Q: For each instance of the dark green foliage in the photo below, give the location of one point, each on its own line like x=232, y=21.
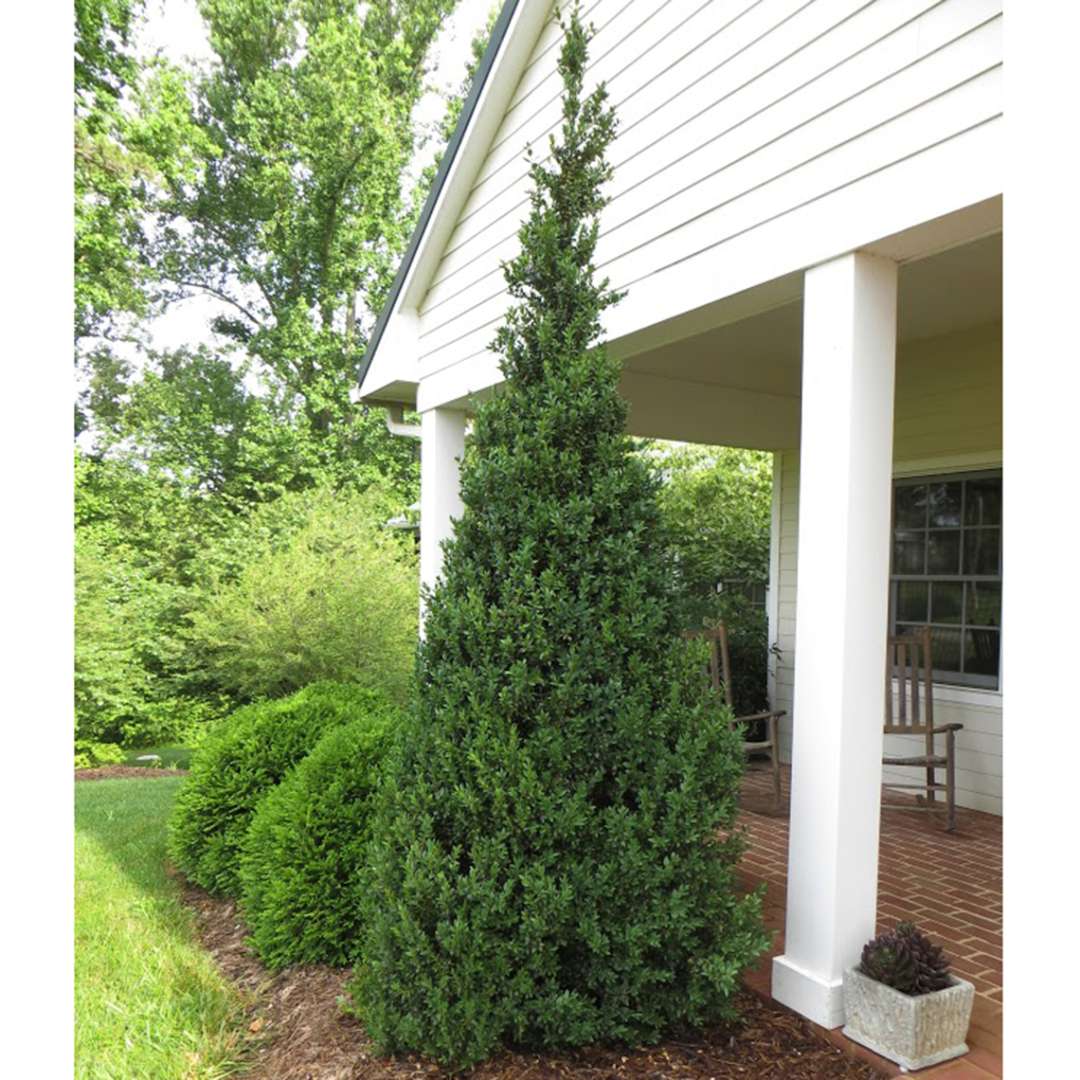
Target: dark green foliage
x=306, y=849
x=906, y=960
x=247, y=754
x=553, y=861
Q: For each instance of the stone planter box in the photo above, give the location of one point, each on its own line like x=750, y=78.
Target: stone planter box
x=915, y=1032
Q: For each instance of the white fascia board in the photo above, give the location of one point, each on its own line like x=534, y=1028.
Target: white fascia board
x=394, y=359
x=528, y=20
x=394, y=372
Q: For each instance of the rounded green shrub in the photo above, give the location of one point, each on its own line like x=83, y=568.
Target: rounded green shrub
x=305, y=852
x=245, y=755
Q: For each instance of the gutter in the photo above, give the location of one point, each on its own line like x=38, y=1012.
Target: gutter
x=498, y=32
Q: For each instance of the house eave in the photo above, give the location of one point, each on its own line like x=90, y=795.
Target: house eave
x=505, y=28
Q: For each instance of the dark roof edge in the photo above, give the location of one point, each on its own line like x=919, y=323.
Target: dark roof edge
x=498, y=32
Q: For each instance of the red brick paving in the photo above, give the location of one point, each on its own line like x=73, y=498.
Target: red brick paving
x=948, y=883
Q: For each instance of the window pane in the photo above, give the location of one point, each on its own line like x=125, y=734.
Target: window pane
x=911, y=601
x=947, y=533
x=944, y=504
x=948, y=602
x=909, y=553
x=943, y=552
x=982, y=502
x=945, y=649
x=981, y=649
x=911, y=507
x=981, y=547
x=984, y=603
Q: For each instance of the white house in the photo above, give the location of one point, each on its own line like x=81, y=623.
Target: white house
x=806, y=215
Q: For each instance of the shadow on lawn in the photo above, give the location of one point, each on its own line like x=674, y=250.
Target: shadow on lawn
x=128, y=818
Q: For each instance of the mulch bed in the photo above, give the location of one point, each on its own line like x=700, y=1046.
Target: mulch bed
x=298, y=1032
x=125, y=772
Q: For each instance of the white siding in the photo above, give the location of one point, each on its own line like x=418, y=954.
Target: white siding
x=732, y=116
x=948, y=417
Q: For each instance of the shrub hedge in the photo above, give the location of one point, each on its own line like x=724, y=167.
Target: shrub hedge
x=245, y=755
x=305, y=852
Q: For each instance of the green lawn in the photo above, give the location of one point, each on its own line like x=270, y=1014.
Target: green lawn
x=148, y=1001
x=172, y=757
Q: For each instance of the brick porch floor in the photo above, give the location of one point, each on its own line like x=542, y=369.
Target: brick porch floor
x=948, y=883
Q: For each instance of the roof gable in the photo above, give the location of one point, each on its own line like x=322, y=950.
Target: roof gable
x=386, y=372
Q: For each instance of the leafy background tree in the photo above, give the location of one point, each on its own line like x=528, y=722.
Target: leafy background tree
x=272, y=178
x=553, y=859
x=717, y=502
x=107, y=275
x=336, y=598
x=298, y=213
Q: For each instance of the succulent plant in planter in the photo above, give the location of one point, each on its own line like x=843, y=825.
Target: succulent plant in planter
x=902, y=1002
x=907, y=960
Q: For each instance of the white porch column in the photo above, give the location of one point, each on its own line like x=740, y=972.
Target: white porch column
x=442, y=435
x=849, y=352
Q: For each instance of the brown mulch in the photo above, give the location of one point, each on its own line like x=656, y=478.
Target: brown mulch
x=298, y=1032
x=125, y=772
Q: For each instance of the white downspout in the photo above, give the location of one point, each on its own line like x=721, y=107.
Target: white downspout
x=395, y=423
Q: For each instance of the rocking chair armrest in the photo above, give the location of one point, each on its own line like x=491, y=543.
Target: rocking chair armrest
x=761, y=716
x=946, y=727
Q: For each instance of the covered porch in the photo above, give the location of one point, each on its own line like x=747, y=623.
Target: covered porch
x=877, y=368
x=949, y=883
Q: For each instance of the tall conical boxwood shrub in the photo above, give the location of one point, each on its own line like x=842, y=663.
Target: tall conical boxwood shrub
x=553, y=861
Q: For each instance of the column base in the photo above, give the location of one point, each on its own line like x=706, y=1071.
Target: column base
x=808, y=994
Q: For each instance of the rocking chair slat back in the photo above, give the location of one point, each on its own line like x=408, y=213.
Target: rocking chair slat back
x=908, y=677
x=720, y=679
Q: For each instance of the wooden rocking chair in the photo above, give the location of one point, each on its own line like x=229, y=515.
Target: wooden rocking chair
x=720, y=677
x=909, y=664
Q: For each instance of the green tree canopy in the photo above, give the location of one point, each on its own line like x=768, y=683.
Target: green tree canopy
x=297, y=213
x=270, y=178
x=107, y=275
x=718, y=502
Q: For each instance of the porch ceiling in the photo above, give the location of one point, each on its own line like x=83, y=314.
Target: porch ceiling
x=739, y=384
x=951, y=291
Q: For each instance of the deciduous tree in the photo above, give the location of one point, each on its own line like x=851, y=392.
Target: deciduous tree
x=297, y=214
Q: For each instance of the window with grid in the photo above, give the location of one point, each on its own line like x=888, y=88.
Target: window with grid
x=946, y=572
